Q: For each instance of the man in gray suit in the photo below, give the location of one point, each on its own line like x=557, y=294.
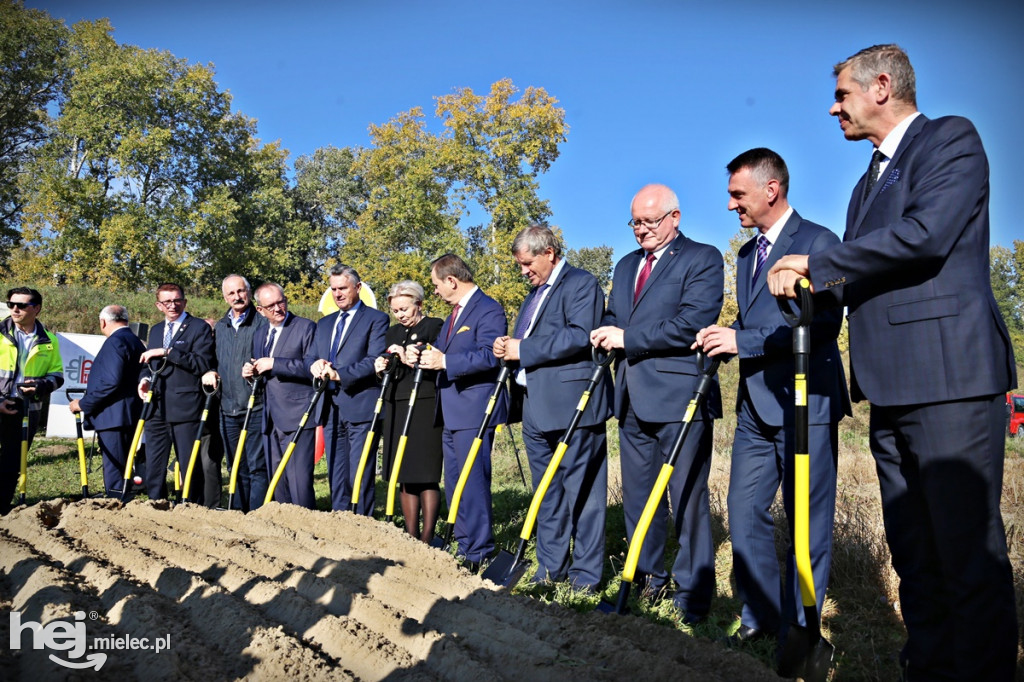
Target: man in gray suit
x=551, y=341
x=763, y=447
x=930, y=352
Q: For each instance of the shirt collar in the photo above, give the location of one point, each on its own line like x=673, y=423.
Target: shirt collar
x=776, y=229
x=465, y=299
x=892, y=141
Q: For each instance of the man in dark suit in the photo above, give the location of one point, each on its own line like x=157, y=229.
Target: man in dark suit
x=347, y=342
x=467, y=371
x=187, y=343
x=280, y=349
x=930, y=352
x=552, y=345
x=662, y=295
x=763, y=446
x=235, y=334
x=110, y=405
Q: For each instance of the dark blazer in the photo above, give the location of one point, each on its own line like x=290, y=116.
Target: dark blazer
x=557, y=356
x=914, y=274
x=682, y=296
x=191, y=356
x=471, y=370
x=111, y=399
x=289, y=386
x=765, y=340
x=356, y=391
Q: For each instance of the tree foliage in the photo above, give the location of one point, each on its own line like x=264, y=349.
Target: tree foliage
x=597, y=260
x=32, y=45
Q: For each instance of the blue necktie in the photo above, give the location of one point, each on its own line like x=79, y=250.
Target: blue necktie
x=339, y=331
x=762, y=258
x=168, y=334
x=270, y=342
x=526, y=318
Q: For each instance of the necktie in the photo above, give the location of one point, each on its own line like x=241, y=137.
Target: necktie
x=455, y=315
x=762, y=258
x=526, y=318
x=168, y=334
x=338, y=333
x=876, y=161
x=642, y=279
x=270, y=342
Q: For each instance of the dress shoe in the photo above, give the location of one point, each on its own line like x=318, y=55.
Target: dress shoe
x=745, y=633
x=693, y=619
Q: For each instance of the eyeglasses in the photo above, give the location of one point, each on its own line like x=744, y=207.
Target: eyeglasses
x=648, y=224
x=20, y=305
x=272, y=306
x=171, y=301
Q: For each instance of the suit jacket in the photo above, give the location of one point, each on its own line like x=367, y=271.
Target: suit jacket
x=765, y=340
x=355, y=393
x=111, y=399
x=682, y=296
x=289, y=386
x=913, y=270
x=464, y=387
x=557, y=354
x=191, y=356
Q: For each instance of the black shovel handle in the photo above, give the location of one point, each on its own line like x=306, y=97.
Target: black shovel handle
x=804, y=303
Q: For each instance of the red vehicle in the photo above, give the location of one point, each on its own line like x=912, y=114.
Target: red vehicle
x=1015, y=409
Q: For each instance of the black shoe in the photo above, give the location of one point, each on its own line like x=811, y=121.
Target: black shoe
x=693, y=619
x=745, y=633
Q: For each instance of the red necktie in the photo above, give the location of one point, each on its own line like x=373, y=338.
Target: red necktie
x=642, y=279
x=455, y=315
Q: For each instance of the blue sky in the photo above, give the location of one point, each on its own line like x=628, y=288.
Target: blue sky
x=654, y=90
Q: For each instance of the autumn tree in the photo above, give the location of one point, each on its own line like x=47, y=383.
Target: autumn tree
x=32, y=46
x=148, y=175
x=597, y=260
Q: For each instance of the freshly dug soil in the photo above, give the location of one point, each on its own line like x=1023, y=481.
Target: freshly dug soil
x=288, y=593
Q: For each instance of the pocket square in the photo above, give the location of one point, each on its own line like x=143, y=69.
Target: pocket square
x=893, y=178
x=463, y=328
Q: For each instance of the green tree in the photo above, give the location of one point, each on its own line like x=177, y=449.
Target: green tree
x=32, y=46
x=148, y=175
x=597, y=260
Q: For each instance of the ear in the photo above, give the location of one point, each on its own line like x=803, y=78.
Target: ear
x=771, y=190
x=882, y=88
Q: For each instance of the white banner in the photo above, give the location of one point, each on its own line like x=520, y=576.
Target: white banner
x=77, y=352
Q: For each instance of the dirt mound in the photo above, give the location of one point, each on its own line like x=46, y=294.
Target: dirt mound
x=289, y=593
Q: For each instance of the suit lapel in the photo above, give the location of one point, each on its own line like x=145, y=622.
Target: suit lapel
x=551, y=292
x=908, y=138
x=351, y=327
x=449, y=337
x=779, y=249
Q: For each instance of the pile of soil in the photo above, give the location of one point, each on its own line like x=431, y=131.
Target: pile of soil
x=288, y=593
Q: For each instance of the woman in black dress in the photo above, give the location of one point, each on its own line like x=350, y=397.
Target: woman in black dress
x=420, y=473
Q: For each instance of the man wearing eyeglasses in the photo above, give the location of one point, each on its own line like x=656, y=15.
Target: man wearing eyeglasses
x=30, y=358
x=188, y=347
x=234, y=334
x=662, y=295
x=279, y=349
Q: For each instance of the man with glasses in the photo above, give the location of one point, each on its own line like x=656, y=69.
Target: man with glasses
x=234, y=334
x=280, y=348
x=29, y=356
x=662, y=295
x=347, y=343
x=186, y=344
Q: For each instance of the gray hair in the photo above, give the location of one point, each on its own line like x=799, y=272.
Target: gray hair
x=409, y=288
x=536, y=239
x=114, y=313
x=248, y=287
x=866, y=65
x=340, y=270
x=269, y=285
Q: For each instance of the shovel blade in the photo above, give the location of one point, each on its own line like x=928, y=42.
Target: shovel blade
x=620, y=607
x=805, y=654
x=505, y=569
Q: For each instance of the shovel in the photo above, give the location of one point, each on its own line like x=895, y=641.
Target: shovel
x=453, y=513
x=318, y=388
x=396, y=466
x=147, y=410
x=805, y=653
x=233, y=484
x=390, y=363
x=199, y=437
x=506, y=569
x=83, y=473
x=707, y=374
x=23, y=473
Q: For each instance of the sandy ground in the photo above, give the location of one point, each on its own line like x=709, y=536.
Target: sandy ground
x=286, y=593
